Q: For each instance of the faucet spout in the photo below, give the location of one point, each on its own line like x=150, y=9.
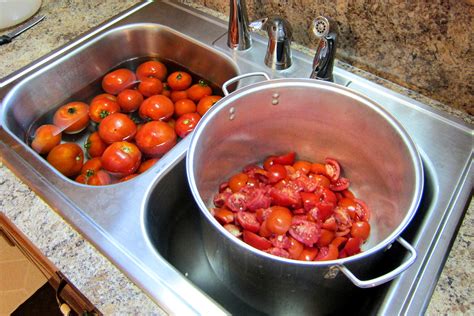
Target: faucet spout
x=323, y=63
x=238, y=36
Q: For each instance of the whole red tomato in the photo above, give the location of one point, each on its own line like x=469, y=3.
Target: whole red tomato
x=156, y=108
x=186, y=123
x=94, y=145
x=121, y=158
x=147, y=164
x=129, y=100
x=67, y=158
x=116, y=81
x=179, y=80
x=117, y=127
x=101, y=108
x=72, y=118
x=46, y=137
x=152, y=69
x=150, y=86
x=206, y=103
x=155, y=138
x=199, y=90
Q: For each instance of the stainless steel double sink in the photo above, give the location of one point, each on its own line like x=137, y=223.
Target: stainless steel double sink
x=149, y=226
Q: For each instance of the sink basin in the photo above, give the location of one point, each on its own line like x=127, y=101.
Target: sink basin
x=149, y=226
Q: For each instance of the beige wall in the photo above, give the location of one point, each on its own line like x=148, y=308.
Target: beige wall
x=426, y=46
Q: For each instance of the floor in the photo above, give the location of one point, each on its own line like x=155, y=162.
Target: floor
x=19, y=278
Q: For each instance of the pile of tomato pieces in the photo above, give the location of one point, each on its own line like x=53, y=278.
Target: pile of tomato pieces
x=294, y=209
x=137, y=119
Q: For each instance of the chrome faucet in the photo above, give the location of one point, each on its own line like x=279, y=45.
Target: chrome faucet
x=238, y=36
x=326, y=30
x=279, y=32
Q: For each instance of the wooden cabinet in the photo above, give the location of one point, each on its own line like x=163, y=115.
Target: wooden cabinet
x=66, y=294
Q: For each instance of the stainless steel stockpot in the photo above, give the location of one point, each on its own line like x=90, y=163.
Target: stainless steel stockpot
x=316, y=120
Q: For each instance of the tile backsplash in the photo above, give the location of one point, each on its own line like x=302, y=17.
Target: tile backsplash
x=426, y=46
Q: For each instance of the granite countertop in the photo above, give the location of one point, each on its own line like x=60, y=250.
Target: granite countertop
x=93, y=274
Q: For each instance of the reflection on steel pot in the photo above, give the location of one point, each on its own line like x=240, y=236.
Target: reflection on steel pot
x=316, y=120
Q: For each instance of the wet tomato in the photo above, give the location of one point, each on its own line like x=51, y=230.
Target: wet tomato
x=46, y=137
x=184, y=106
x=276, y=172
x=238, y=181
x=156, y=108
x=129, y=100
x=121, y=158
x=327, y=253
x=295, y=249
x=279, y=220
x=150, y=86
x=94, y=145
x=333, y=169
x=308, y=254
x=206, y=103
x=100, y=177
x=72, y=118
x=155, y=138
x=179, y=80
x=117, y=127
x=248, y=221
x=101, y=108
x=303, y=166
x=175, y=96
x=116, y=81
x=67, y=158
x=199, y=90
x=186, y=123
x=224, y=216
x=256, y=241
x=91, y=166
x=166, y=90
x=152, y=69
x=104, y=95
x=360, y=229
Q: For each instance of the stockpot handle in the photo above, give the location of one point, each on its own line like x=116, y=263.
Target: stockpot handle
x=384, y=278
x=237, y=78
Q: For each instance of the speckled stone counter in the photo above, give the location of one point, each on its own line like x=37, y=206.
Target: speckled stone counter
x=96, y=277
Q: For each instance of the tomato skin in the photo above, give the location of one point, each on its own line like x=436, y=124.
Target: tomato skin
x=256, y=241
x=175, y=96
x=72, y=117
x=46, y=137
x=179, y=80
x=101, y=108
x=279, y=220
x=295, y=249
x=91, y=166
x=361, y=230
x=238, y=181
x=94, y=145
x=276, y=172
x=186, y=123
x=199, y=90
x=351, y=247
x=129, y=100
x=116, y=81
x=303, y=166
x=206, y=103
x=155, y=138
x=327, y=253
x=224, y=216
x=117, y=127
x=156, y=108
x=308, y=254
x=286, y=159
x=153, y=69
x=67, y=158
x=100, y=177
x=147, y=164
x=106, y=96
x=150, y=86
x=327, y=236
x=184, y=106
x=318, y=168
x=121, y=158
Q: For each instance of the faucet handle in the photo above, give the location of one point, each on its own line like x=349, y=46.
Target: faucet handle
x=327, y=31
x=279, y=32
